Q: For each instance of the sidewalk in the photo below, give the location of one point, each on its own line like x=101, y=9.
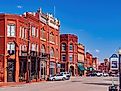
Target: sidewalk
x=12, y=84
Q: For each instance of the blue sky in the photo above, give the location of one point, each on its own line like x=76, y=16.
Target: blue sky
x=97, y=23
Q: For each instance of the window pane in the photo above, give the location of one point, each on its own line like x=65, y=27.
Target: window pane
x=33, y=31
x=12, y=46
x=63, y=47
x=8, y=46
x=33, y=47
x=8, y=30
x=71, y=57
x=52, y=52
x=71, y=47
x=20, y=31
x=12, y=30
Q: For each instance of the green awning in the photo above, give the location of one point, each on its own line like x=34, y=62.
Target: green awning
x=81, y=67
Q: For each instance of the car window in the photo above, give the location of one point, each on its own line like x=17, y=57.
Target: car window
x=59, y=75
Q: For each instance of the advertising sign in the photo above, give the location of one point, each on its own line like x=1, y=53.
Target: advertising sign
x=114, y=63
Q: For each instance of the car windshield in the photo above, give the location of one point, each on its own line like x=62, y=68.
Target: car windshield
x=59, y=75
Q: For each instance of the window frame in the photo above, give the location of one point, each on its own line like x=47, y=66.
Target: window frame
x=9, y=30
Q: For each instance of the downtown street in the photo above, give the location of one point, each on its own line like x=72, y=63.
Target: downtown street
x=74, y=84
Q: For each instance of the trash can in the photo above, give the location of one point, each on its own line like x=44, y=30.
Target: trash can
x=113, y=88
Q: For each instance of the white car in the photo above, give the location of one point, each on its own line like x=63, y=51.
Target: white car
x=57, y=77
x=67, y=74
x=99, y=74
x=105, y=74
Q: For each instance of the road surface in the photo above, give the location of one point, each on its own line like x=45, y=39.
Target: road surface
x=74, y=84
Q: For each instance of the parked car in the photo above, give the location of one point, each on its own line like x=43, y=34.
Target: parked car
x=67, y=74
x=91, y=74
x=105, y=74
x=57, y=77
x=99, y=74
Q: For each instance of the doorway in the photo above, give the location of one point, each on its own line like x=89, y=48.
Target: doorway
x=72, y=70
x=11, y=70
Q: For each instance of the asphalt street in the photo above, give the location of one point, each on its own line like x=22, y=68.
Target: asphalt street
x=74, y=84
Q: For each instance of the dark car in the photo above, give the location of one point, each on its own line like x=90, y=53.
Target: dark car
x=91, y=74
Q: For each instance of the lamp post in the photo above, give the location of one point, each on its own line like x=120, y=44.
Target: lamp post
x=119, y=52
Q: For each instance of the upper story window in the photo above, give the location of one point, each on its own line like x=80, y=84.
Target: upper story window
x=33, y=31
x=11, y=30
x=71, y=47
x=22, y=32
x=43, y=49
x=52, y=52
x=33, y=47
x=11, y=48
x=63, y=57
x=22, y=49
x=63, y=47
x=43, y=33
x=51, y=37
x=71, y=57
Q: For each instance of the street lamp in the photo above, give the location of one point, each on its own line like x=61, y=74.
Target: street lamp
x=119, y=52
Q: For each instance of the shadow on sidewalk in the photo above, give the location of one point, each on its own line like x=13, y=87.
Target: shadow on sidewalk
x=104, y=84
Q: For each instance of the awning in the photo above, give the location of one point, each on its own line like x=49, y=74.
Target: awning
x=81, y=67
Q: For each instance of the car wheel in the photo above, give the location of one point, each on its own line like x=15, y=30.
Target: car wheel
x=53, y=79
x=63, y=78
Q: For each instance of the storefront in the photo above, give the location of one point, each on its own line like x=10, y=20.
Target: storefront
x=11, y=70
x=43, y=69
x=81, y=69
x=52, y=68
x=22, y=68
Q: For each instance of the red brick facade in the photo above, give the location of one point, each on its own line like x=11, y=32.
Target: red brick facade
x=95, y=63
x=69, y=53
x=29, y=46
x=88, y=60
x=104, y=66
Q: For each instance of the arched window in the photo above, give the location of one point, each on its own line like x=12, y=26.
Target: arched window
x=42, y=49
x=63, y=47
x=71, y=47
x=52, y=52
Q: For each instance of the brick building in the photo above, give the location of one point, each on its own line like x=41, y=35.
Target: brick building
x=88, y=60
x=95, y=63
x=104, y=66
x=68, y=53
x=81, y=59
x=29, y=46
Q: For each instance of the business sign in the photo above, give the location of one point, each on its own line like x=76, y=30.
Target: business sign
x=114, y=62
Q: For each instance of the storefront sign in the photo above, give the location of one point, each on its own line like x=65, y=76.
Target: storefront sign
x=114, y=62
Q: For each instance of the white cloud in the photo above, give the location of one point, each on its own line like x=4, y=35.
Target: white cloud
x=19, y=6
x=88, y=51
x=97, y=51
